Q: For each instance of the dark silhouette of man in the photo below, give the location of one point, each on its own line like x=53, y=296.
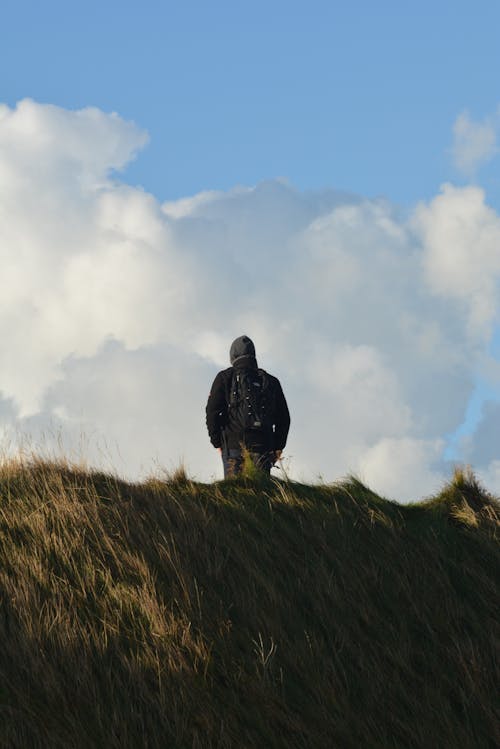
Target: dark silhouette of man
x=247, y=412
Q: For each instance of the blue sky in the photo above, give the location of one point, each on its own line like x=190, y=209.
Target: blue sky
x=328, y=130
x=359, y=95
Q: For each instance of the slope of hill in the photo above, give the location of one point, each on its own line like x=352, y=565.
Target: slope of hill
x=246, y=613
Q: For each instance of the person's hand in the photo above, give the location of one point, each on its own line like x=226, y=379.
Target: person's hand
x=277, y=455
x=219, y=450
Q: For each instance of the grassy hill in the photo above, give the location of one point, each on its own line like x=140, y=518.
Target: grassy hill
x=246, y=613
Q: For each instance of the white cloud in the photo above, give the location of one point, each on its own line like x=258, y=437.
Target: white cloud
x=474, y=143
x=490, y=475
x=403, y=469
x=461, y=257
x=116, y=311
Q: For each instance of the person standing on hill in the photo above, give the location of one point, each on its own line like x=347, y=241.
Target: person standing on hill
x=247, y=412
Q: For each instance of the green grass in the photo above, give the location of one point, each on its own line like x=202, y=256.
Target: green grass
x=245, y=613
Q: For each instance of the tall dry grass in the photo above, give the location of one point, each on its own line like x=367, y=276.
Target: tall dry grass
x=247, y=613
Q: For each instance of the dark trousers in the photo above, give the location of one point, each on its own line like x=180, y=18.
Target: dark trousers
x=232, y=460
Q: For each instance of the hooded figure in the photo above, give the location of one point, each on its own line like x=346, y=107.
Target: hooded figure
x=247, y=411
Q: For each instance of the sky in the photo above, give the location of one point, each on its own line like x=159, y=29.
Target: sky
x=323, y=177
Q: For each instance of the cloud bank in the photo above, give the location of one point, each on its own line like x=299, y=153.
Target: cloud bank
x=474, y=143
x=118, y=311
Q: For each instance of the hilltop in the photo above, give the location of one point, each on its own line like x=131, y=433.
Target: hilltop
x=244, y=613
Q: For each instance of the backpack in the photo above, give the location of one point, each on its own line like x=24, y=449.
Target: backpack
x=251, y=405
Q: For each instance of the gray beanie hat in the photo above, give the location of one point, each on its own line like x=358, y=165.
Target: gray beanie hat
x=242, y=346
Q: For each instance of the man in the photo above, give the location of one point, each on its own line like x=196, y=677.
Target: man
x=247, y=411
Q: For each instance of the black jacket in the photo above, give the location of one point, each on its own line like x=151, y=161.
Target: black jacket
x=220, y=432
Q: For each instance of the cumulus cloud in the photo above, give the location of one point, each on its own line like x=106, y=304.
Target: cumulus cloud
x=117, y=311
x=474, y=143
x=490, y=475
x=398, y=465
x=461, y=254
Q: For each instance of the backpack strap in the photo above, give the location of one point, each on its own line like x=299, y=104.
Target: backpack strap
x=264, y=378
x=232, y=399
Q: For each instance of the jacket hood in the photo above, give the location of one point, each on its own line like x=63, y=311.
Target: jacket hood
x=241, y=347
